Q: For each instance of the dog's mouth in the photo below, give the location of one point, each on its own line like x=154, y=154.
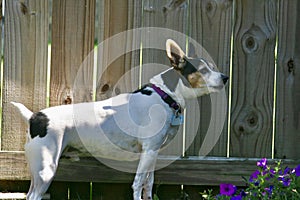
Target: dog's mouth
x=213, y=87
x=218, y=87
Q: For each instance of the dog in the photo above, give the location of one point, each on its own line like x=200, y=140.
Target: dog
x=138, y=123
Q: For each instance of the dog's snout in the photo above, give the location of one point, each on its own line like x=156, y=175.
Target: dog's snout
x=224, y=78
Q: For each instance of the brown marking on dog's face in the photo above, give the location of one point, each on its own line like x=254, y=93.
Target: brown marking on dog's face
x=196, y=80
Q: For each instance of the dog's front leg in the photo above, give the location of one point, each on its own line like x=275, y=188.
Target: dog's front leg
x=147, y=193
x=145, y=170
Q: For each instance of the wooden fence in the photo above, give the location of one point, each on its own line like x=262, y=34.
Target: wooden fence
x=254, y=41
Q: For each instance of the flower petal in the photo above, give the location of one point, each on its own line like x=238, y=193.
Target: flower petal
x=227, y=189
x=297, y=170
x=262, y=163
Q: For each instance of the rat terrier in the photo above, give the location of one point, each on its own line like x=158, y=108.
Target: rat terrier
x=131, y=128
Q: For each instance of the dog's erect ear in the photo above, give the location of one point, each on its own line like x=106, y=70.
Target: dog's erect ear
x=175, y=54
x=192, y=51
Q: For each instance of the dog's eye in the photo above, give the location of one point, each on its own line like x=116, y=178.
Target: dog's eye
x=204, y=70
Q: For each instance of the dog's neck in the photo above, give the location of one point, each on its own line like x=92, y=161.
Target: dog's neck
x=172, y=84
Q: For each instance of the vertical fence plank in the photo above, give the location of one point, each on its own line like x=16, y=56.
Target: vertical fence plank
x=253, y=78
x=164, y=14
x=172, y=16
x=210, y=26
x=71, y=62
x=72, y=41
x=107, y=191
x=287, y=138
x=168, y=192
x=115, y=72
x=25, y=65
x=59, y=190
x=80, y=190
x=1, y=64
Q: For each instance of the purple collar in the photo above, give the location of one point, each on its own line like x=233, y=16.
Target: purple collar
x=166, y=98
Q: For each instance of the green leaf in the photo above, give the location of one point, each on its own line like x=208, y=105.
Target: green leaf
x=155, y=197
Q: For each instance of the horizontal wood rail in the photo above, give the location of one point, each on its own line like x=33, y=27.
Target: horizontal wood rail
x=186, y=171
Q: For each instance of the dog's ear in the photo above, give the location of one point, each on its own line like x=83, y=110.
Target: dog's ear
x=192, y=51
x=175, y=54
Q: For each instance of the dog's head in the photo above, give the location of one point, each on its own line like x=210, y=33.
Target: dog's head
x=200, y=76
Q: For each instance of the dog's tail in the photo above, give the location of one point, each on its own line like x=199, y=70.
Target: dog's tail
x=25, y=112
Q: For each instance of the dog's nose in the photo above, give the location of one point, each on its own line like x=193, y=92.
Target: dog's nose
x=224, y=78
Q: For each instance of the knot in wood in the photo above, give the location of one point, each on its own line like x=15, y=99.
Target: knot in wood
x=211, y=7
x=248, y=122
x=252, y=119
x=253, y=39
x=250, y=44
x=105, y=88
x=68, y=100
x=23, y=8
x=241, y=129
x=117, y=91
x=291, y=66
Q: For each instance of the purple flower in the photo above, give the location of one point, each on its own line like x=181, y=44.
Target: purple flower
x=243, y=193
x=269, y=190
x=227, y=189
x=286, y=171
x=272, y=172
x=262, y=163
x=286, y=181
x=297, y=170
x=254, y=176
x=236, y=198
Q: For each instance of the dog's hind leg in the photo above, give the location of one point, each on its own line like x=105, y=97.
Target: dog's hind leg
x=145, y=168
x=42, y=156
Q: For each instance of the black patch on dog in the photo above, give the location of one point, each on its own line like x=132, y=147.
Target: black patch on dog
x=171, y=78
x=190, y=67
x=38, y=125
x=144, y=91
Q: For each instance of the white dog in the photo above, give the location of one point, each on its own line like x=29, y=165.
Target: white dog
x=138, y=123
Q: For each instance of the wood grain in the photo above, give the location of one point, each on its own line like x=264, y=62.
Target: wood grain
x=188, y=171
x=25, y=66
x=116, y=72
x=211, y=26
x=155, y=59
x=1, y=65
x=253, y=78
x=287, y=123
x=72, y=41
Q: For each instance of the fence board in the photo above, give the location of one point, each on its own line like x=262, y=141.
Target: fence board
x=253, y=78
x=58, y=190
x=210, y=26
x=191, y=171
x=79, y=190
x=1, y=65
x=108, y=191
x=25, y=65
x=287, y=138
x=168, y=192
x=72, y=41
x=118, y=16
x=172, y=16
x=160, y=14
